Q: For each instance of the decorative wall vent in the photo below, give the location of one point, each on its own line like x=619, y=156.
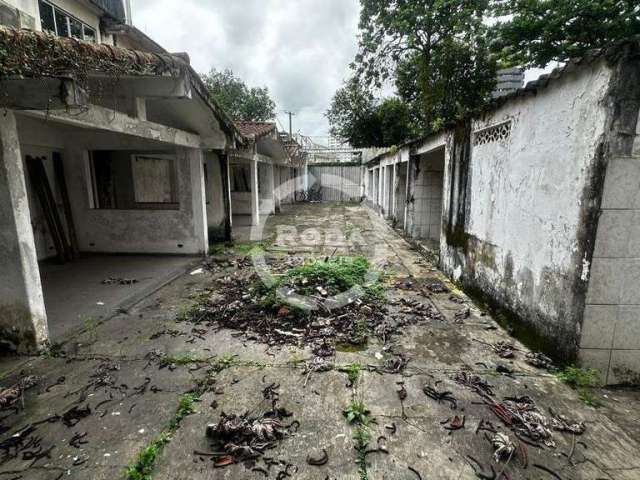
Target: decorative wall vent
x=496, y=133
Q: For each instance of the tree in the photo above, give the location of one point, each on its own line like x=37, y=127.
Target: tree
x=237, y=99
x=358, y=117
x=537, y=32
x=433, y=49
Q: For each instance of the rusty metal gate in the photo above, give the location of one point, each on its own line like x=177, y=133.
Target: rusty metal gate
x=335, y=183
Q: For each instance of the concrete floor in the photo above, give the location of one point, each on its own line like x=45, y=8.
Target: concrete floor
x=74, y=294
x=241, y=230
x=114, y=370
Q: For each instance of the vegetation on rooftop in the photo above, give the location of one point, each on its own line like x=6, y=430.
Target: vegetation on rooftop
x=26, y=53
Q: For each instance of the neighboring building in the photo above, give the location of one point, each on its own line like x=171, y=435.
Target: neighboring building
x=509, y=80
x=533, y=207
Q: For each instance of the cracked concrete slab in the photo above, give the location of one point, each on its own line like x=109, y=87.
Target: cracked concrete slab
x=236, y=370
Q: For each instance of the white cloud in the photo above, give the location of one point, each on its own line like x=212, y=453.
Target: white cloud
x=299, y=49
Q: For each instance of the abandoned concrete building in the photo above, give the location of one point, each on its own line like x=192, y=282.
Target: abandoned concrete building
x=264, y=175
x=110, y=150
x=532, y=206
x=110, y=144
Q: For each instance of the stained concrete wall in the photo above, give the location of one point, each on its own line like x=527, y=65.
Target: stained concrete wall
x=216, y=215
x=401, y=194
x=181, y=231
x=425, y=205
x=241, y=201
x=611, y=326
x=515, y=206
x=23, y=324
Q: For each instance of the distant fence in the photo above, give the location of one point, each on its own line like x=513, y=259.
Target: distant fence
x=335, y=183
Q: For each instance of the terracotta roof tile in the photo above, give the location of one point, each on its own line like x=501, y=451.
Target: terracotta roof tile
x=255, y=129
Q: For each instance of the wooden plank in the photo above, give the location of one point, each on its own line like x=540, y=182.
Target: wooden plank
x=58, y=168
x=36, y=170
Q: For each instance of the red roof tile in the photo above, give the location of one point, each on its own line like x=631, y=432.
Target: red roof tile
x=255, y=129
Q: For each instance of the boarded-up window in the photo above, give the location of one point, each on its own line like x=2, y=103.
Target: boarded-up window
x=153, y=179
x=128, y=180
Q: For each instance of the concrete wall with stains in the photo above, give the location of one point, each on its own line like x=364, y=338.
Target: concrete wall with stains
x=23, y=320
x=425, y=200
x=514, y=205
x=181, y=231
x=216, y=215
x=611, y=326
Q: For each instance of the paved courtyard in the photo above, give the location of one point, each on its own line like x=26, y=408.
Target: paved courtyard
x=429, y=395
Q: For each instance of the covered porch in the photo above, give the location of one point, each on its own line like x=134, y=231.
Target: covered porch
x=111, y=165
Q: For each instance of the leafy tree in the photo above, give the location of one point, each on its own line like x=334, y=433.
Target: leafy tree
x=358, y=117
x=433, y=49
x=237, y=99
x=537, y=32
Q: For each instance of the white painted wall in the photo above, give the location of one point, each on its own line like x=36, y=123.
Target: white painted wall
x=525, y=196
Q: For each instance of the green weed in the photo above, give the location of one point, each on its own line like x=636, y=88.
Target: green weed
x=357, y=413
x=577, y=377
x=353, y=372
x=582, y=380
x=336, y=275
x=222, y=363
x=184, y=359
x=142, y=467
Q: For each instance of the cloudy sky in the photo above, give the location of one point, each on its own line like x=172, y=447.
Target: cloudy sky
x=300, y=49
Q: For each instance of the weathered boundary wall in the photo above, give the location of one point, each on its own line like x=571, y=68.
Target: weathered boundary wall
x=517, y=199
x=611, y=326
x=338, y=183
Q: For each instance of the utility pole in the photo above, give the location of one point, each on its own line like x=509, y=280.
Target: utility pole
x=291, y=114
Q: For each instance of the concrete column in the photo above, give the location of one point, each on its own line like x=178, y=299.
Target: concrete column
x=407, y=227
x=276, y=181
x=381, y=187
x=23, y=319
x=255, y=194
x=195, y=159
x=394, y=179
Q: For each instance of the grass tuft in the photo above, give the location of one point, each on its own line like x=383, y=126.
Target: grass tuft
x=582, y=380
x=353, y=372
x=358, y=415
x=142, y=467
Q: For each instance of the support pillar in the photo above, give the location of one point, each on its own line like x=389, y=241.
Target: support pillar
x=195, y=159
x=255, y=194
x=276, y=181
x=226, y=195
x=394, y=184
x=23, y=319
